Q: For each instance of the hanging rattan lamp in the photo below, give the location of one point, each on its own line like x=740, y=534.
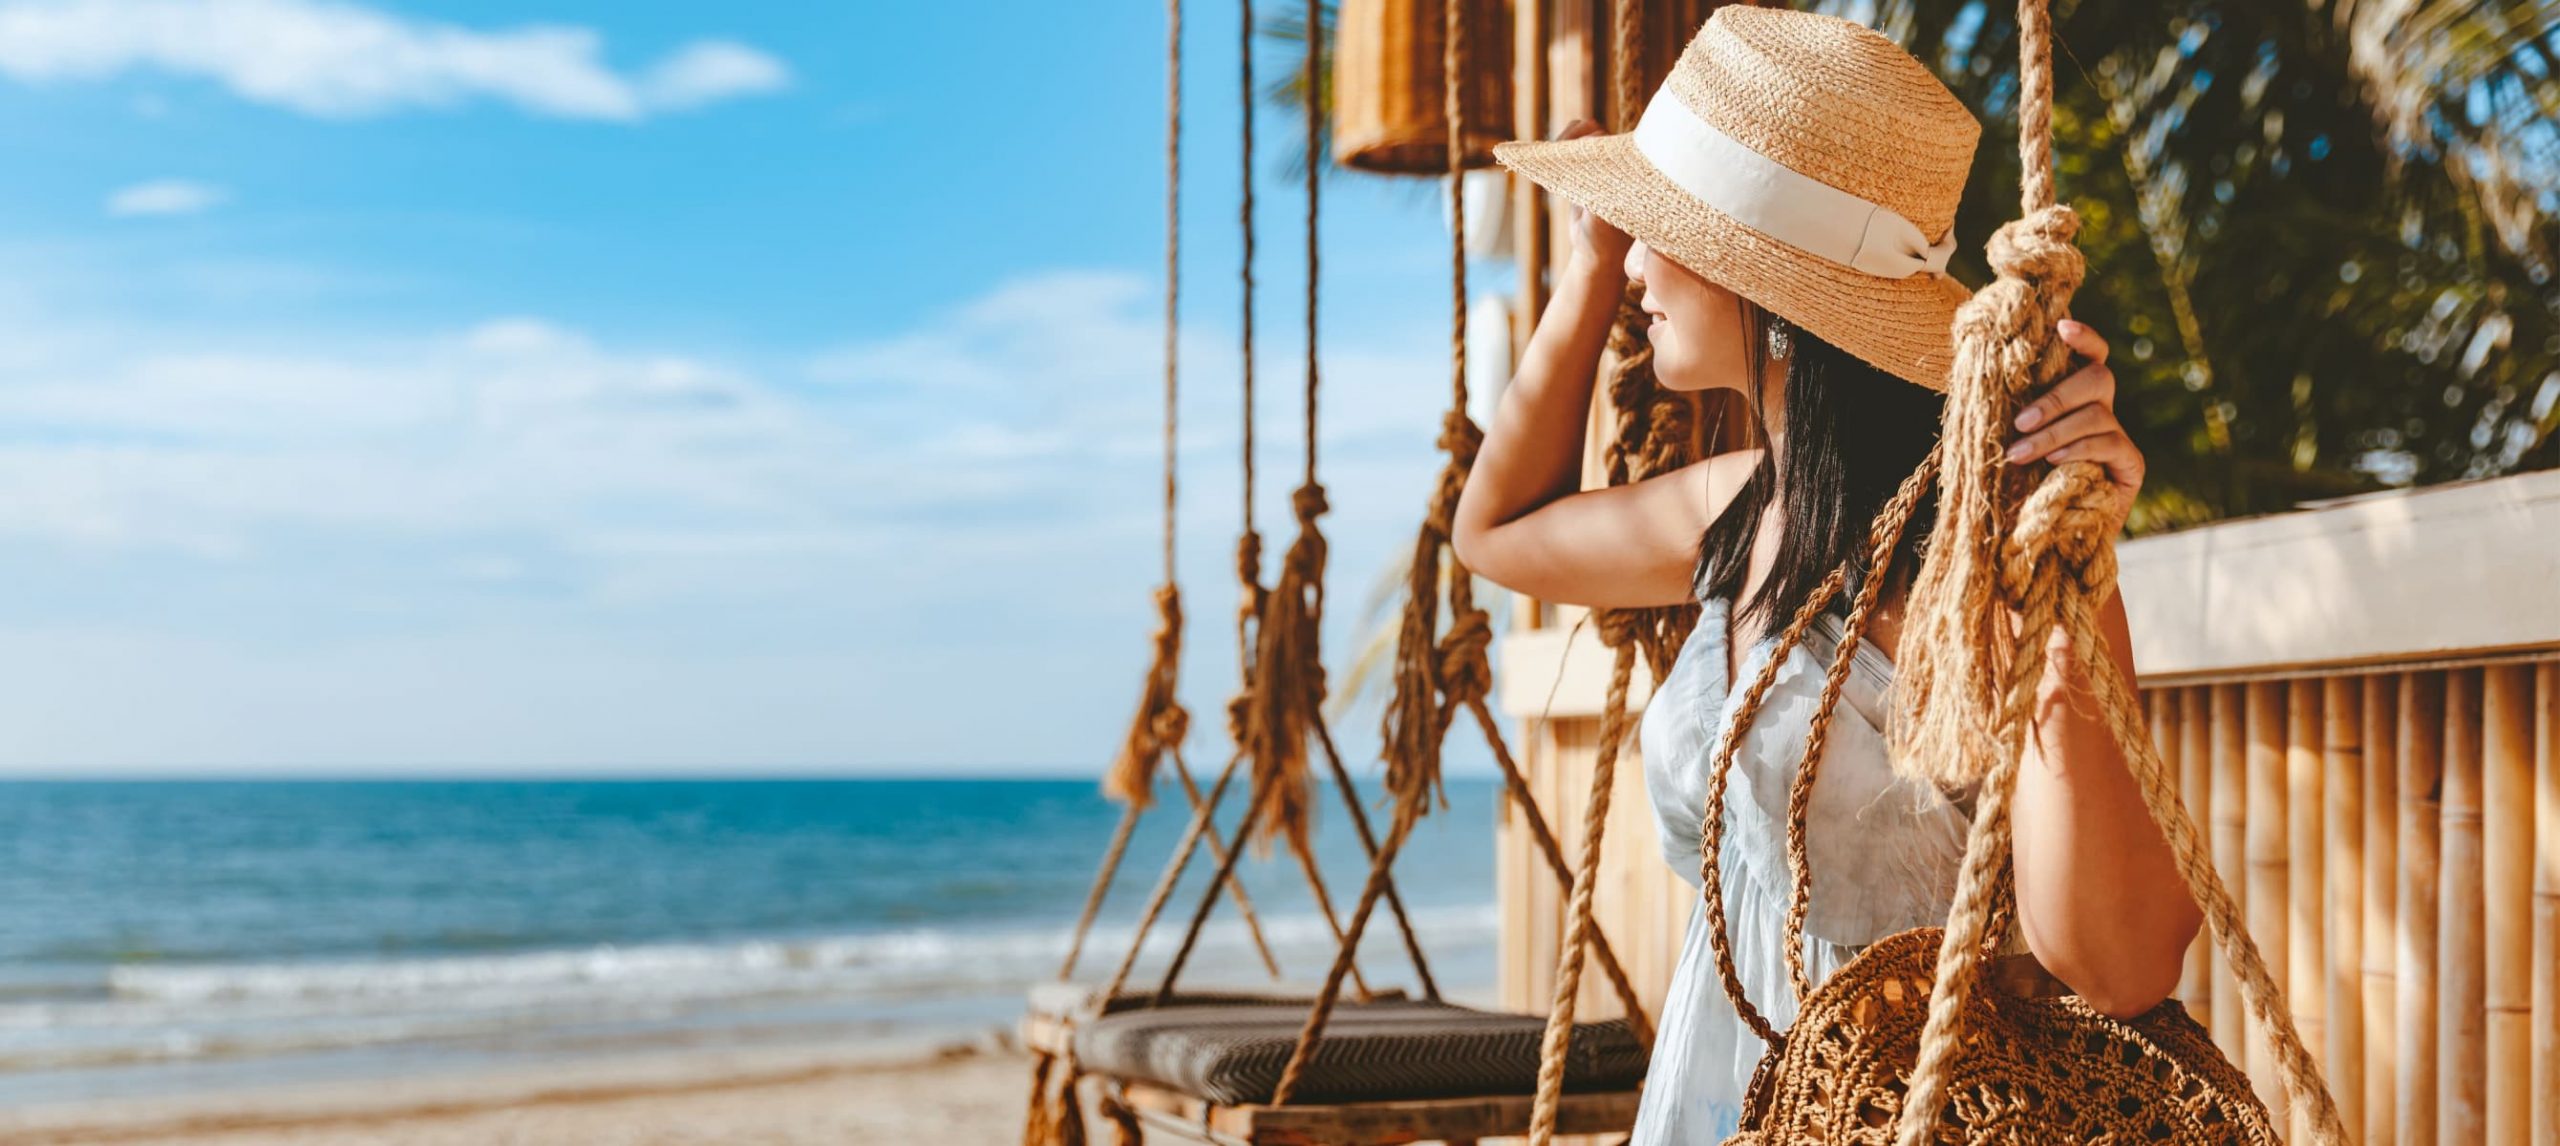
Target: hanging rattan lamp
x=1389, y=110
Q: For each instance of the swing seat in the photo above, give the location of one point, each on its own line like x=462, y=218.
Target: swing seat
x=1375, y=1052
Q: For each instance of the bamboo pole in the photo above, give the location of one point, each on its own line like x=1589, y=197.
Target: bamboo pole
x=2269, y=887
x=2160, y=715
x=2307, y=965
x=2546, y=903
x=2230, y=825
x=2506, y=839
x=2342, y=795
x=2381, y=884
x=2421, y=792
x=2195, y=782
x=2461, y=1058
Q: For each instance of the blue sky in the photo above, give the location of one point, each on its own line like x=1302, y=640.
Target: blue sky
x=642, y=386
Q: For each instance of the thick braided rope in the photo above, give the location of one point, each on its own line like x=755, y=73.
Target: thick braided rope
x=1719, y=778
x=1650, y=436
x=1555, y=1048
x=1434, y=673
x=1202, y=824
x=1408, y=813
x=1093, y=896
x=1248, y=540
x=1882, y=538
x=2049, y=571
x=1287, y=644
x=1359, y=817
x=1638, y=1022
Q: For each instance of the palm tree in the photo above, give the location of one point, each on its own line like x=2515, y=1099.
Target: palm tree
x=2322, y=234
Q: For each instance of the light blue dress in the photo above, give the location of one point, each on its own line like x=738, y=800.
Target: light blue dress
x=1883, y=853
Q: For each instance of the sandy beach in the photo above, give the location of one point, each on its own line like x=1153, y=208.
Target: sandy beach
x=956, y=1094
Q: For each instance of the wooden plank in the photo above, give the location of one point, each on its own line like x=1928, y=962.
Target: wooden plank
x=2506, y=884
x=2307, y=968
x=2546, y=903
x=2381, y=895
x=2195, y=783
x=2269, y=879
x=2342, y=795
x=2230, y=853
x=2332, y=586
x=1560, y=673
x=2421, y=751
x=2461, y=1084
x=1380, y=1123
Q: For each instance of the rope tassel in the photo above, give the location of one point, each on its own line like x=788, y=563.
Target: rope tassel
x=1288, y=675
x=1162, y=722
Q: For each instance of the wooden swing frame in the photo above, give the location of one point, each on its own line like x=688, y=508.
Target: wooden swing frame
x=1441, y=670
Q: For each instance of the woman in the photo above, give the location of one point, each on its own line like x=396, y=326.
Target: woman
x=1791, y=192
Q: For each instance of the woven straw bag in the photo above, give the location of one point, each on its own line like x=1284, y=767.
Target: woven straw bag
x=2034, y=1064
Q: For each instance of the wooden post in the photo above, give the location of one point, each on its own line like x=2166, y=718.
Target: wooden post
x=2230, y=854
x=2546, y=903
x=2462, y=1061
x=2381, y=887
x=2506, y=839
x=2268, y=878
x=2195, y=783
x=2342, y=794
x=2421, y=792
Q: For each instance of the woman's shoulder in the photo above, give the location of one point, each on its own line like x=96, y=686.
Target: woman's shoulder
x=1718, y=480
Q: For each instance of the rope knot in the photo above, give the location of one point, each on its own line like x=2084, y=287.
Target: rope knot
x=1618, y=626
x=2067, y=528
x=2038, y=247
x=1460, y=438
x=1249, y=558
x=1309, y=502
x=1466, y=673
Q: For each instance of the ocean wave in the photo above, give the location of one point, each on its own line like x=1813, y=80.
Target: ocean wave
x=157, y=1013
x=895, y=962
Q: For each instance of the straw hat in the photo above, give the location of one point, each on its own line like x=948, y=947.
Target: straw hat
x=1803, y=162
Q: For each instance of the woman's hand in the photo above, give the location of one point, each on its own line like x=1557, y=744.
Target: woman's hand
x=1597, y=246
x=2074, y=420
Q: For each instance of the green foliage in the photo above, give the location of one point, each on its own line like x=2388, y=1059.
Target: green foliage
x=2320, y=235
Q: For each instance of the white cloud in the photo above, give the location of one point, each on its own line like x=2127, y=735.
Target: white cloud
x=577, y=550
x=343, y=60
x=165, y=197
x=712, y=71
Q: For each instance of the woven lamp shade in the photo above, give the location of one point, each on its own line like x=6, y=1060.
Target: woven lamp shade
x=1388, y=97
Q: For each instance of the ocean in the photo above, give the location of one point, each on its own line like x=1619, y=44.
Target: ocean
x=171, y=937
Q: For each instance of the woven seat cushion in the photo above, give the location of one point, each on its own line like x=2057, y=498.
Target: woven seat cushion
x=1375, y=1051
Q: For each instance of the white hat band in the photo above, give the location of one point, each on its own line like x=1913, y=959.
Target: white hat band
x=1781, y=202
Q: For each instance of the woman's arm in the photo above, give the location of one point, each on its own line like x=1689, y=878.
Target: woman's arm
x=2099, y=895
x=1521, y=520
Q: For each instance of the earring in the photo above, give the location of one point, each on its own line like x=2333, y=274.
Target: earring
x=1781, y=342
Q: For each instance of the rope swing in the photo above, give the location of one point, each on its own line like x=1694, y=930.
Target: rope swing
x=1652, y=434
x=2046, y=555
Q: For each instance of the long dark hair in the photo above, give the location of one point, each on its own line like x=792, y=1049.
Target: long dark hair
x=1851, y=434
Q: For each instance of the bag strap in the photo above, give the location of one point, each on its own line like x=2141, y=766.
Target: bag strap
x=1883, y=537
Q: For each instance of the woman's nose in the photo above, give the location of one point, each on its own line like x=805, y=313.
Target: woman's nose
x=1635, y=262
